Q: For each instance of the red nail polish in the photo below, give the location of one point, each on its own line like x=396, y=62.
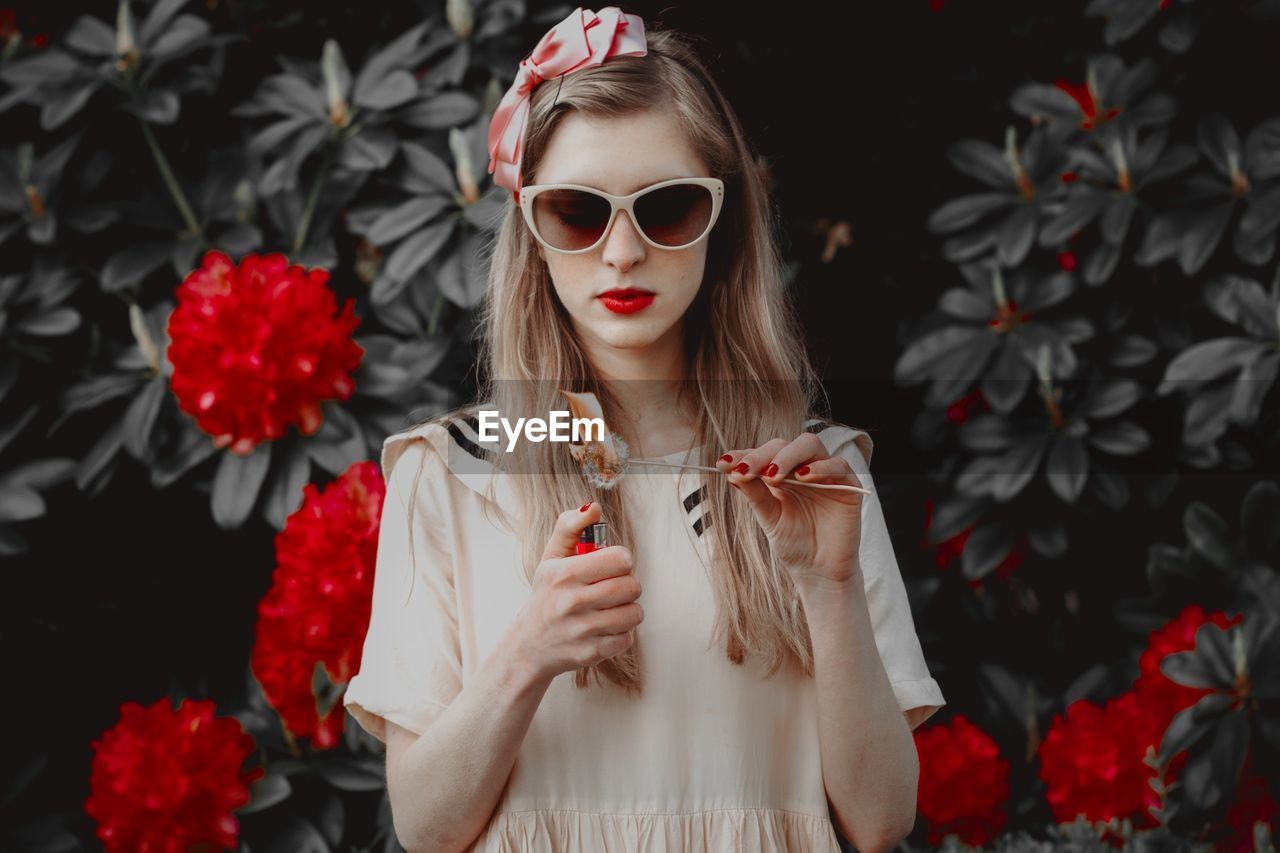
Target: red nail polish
x=771, y=470
x=583, y=508
x=802, y=470
x=727, y=458
x=742, y=468
x=736, y=486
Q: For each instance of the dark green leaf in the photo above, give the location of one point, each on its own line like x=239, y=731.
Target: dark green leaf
x=130, y=266
x=284, y=493
x=1133, y=350
x=1226, y=758
x=1111, y=489
x=372, y=148
x=407, y=217
x=179, y=37
x=1042, y=100
x=1122, y=438
x=266, y=792
x=157, y=106
x=1165, y=563
x=425, y=172
x=1191, y=724
x=58, y=321
x=396, y=89
x=964, y=211
x=1067, y=467
x=332, y=819
x=1016, y=234
x=57, y=109
x=446, y=110
x=140, y=418
x=983, y=161
x=1208, y=360
x=296, y=836
x=925, y=355
x=397, y=54
x=984, y=549
x=350, y=774
x=95, y=465
x=158, y=18
x=1082, y=207
x=97, y=390
x=92, y=36
x=1210, y=536
x=1049, y=541
x=1203, y=236
x=1006, y=380
x=193, y=447
x=1208, y=665
x=416, y=250
x=1258, y=514
x=19, y=504
x=237, y=483
x=1219, y=141
x=1004, y=692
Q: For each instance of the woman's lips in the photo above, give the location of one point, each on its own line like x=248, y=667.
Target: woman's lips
x=627, y=301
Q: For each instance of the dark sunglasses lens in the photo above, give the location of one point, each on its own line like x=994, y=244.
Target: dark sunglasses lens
x=570, y=219
x=675, y=215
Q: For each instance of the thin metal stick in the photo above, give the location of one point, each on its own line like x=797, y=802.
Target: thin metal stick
x=783, y=483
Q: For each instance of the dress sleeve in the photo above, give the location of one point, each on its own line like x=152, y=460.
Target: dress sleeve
x=918, y=693
x=411, y=663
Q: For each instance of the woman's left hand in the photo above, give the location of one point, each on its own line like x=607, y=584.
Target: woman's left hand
x=814, y=533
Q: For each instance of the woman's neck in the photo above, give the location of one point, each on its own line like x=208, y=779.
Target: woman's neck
x=647, y=385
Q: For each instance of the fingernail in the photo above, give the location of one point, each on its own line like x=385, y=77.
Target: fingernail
x=583, y=508
x=726, y=458
x=736, y=486
x=771, y=470
x=802, y=470
x=742, y=468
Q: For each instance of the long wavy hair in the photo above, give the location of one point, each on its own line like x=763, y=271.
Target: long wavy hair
x=748, y=377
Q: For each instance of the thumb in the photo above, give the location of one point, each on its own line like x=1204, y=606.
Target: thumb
x=570, y=523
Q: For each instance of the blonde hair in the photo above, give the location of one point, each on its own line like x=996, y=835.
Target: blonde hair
x=748, y=377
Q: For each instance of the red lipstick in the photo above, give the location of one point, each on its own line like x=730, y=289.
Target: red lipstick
x=626, y=300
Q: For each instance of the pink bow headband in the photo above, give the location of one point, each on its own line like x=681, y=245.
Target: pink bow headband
x=581, y=40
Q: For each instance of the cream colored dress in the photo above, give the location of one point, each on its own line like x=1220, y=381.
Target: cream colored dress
x=712, y=757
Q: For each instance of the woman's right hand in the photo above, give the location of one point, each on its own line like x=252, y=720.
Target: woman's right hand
x=583, y=608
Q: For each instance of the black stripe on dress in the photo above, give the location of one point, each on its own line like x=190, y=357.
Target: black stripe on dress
x=463, y=441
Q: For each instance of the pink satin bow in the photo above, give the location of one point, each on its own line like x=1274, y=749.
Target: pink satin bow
x=581, y=40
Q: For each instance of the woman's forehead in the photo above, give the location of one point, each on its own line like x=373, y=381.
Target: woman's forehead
x=618, y=154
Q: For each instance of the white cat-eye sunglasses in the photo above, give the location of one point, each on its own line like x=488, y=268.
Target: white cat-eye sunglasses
x=671, y=214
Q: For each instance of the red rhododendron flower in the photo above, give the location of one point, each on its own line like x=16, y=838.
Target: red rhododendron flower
x=1093, y=761
x=964, y=782
x=318, y=607
x=256, y=347
x=1179, y=635
x=167, y=781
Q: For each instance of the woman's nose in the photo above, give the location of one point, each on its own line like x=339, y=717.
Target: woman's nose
x=623, y=244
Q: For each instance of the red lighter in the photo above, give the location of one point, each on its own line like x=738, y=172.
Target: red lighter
x=592, y=538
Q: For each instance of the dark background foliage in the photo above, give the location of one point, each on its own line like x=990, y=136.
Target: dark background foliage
x=133, y=592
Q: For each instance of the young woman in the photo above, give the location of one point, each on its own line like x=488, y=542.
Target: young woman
x=746, y=668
